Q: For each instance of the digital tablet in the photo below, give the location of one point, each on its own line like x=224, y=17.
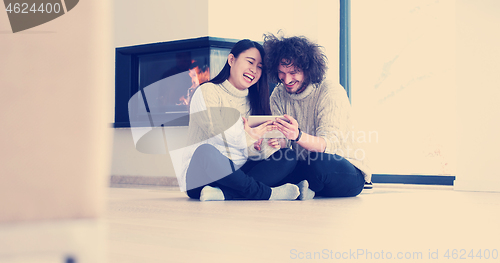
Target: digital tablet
x=256, y=120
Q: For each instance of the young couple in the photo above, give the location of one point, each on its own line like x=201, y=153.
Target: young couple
x=230, y=160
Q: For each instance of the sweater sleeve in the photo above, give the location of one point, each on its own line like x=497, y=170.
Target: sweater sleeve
x=249, y=139
x=202, y=105
x=333, y=109
x=276, y=107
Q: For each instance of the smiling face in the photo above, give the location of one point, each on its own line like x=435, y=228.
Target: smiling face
x=292, y=78
x=246, y=69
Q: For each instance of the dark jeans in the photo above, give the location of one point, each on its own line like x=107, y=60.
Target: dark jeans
x=252, y=181
x=329, y=175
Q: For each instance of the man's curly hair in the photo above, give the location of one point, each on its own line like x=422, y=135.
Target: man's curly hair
x=298, y=51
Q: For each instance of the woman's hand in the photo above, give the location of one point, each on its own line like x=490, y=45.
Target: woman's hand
x=290, y=129
x=258, y=131
x=257, y=144
x=277, y=143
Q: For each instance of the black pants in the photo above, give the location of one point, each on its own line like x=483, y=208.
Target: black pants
x=252, y=181
x=329, y=175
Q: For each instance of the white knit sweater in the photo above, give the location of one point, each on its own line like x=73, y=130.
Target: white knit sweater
x=322, y=110
x=215, y=119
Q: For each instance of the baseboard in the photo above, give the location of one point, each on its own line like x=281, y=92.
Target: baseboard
x=413, y=179
x=476, y=186
x=125, y=180
x=121, y=180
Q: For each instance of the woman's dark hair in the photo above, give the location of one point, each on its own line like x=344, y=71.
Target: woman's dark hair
x=258, y=93
x=300, y=52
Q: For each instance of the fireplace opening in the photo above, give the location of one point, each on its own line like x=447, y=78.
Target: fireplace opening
x=155, y=82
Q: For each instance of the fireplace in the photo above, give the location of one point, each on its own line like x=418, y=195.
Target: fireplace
x=154, y=82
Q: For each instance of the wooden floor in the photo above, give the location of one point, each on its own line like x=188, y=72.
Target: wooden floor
x=162, y=225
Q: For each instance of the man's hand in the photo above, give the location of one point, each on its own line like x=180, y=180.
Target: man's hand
x=291, y=132
x=290, y=129
x=277, y=143
x=257, y=144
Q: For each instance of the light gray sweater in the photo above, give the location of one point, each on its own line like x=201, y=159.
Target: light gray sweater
x=322, y=110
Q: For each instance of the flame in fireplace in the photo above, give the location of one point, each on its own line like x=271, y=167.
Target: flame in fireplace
x=197, y=76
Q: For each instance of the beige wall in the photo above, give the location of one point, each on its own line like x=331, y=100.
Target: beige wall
x=427, y=85
x=403, y=84
x=129, y=161
x=57, y=84
x=56, y=104
x=315, y=19
x=478, y=95
x=399, y=121
x=150, y=21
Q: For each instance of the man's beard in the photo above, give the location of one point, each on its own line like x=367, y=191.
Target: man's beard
x=302, y=87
